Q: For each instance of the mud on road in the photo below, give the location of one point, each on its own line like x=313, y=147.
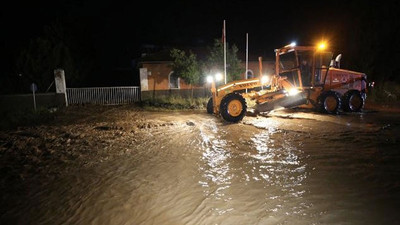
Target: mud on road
x=188, y=167
x=79, y=136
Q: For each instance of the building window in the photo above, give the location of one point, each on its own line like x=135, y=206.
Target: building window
x=174, y=81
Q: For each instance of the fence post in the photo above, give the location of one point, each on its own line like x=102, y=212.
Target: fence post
x=61, y=87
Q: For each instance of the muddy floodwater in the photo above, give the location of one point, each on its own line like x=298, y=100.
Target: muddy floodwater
x=288, y=167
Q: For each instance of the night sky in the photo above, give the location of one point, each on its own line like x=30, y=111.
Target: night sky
x=112, y=34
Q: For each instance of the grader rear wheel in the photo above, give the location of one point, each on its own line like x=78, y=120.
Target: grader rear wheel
x=353, y=101
x=330, y=102
x=233, y=107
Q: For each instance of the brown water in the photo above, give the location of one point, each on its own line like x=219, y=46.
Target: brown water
x=287, y=168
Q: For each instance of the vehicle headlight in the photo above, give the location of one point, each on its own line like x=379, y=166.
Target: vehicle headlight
x=293, y=91
x=218, y=76
x=264, y=79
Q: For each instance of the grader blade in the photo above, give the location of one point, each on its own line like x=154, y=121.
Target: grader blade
x=284, y=102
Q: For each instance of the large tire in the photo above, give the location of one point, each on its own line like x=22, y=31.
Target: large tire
x=353, y=101
x=210, y=106
x=233, y=107
x=330, y=102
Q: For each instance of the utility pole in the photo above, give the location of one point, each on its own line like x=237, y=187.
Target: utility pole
x=247, y=54
x=247, y=57
x=224, y=40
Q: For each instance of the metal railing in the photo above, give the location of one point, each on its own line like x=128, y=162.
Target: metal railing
x=103, y=95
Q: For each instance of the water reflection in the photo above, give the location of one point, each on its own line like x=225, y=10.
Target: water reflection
x=260, y=173
x=216, y=171
x=276, y=163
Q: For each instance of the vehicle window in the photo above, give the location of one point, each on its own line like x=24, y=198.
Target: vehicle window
x=322, y=61
x=287, y=61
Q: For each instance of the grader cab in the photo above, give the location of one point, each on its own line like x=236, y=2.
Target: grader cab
x=305, y=76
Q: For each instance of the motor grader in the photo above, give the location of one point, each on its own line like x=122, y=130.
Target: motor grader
x=305, y=76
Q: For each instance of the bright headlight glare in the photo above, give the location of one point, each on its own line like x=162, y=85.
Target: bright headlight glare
x=209, y=79
x=218, y=76
x=321, y=45
x=293, y=91
x=264, y=79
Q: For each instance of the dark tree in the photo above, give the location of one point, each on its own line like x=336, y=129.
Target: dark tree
x=215, y=61
x=186, y=66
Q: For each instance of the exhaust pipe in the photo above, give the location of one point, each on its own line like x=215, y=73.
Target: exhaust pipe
x=337, y=60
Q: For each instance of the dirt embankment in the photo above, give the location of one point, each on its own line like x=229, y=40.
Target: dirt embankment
x=78, y=137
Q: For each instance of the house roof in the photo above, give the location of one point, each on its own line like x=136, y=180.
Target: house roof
x=162, y=55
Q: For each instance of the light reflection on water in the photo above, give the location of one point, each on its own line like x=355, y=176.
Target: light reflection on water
x=265, y=169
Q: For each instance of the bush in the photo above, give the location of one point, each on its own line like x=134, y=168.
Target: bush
x=175, y=103
x=387, y=92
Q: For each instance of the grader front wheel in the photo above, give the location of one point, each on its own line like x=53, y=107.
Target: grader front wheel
x=233, y=107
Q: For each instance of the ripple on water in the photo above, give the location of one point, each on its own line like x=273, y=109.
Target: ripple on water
x=262, y=180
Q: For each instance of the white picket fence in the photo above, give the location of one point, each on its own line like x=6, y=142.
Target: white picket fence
x=103, y=95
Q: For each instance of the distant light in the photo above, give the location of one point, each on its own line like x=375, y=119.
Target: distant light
x=264, y=79
x=321, y=46
x=210, y=79
x=293, y=91
x=372, y=84
x=218, y=77
x=293, y=44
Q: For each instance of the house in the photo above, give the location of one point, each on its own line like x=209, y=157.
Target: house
x=158, y=79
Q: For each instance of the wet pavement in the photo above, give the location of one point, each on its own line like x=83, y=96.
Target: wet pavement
x=287, y=167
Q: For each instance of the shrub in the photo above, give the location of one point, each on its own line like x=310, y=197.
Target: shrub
x=175, y=103
x=387, y=92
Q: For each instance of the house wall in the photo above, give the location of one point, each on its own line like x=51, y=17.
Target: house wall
x=155, y=81
x=158, y=72
x=157, y=77
x=268, y=68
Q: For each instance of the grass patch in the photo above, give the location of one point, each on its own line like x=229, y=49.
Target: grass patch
x=175, y=103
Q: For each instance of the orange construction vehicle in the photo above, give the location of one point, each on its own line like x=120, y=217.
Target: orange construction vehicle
x=305, y=76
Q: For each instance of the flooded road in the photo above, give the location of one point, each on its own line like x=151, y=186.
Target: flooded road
x=289, y=167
